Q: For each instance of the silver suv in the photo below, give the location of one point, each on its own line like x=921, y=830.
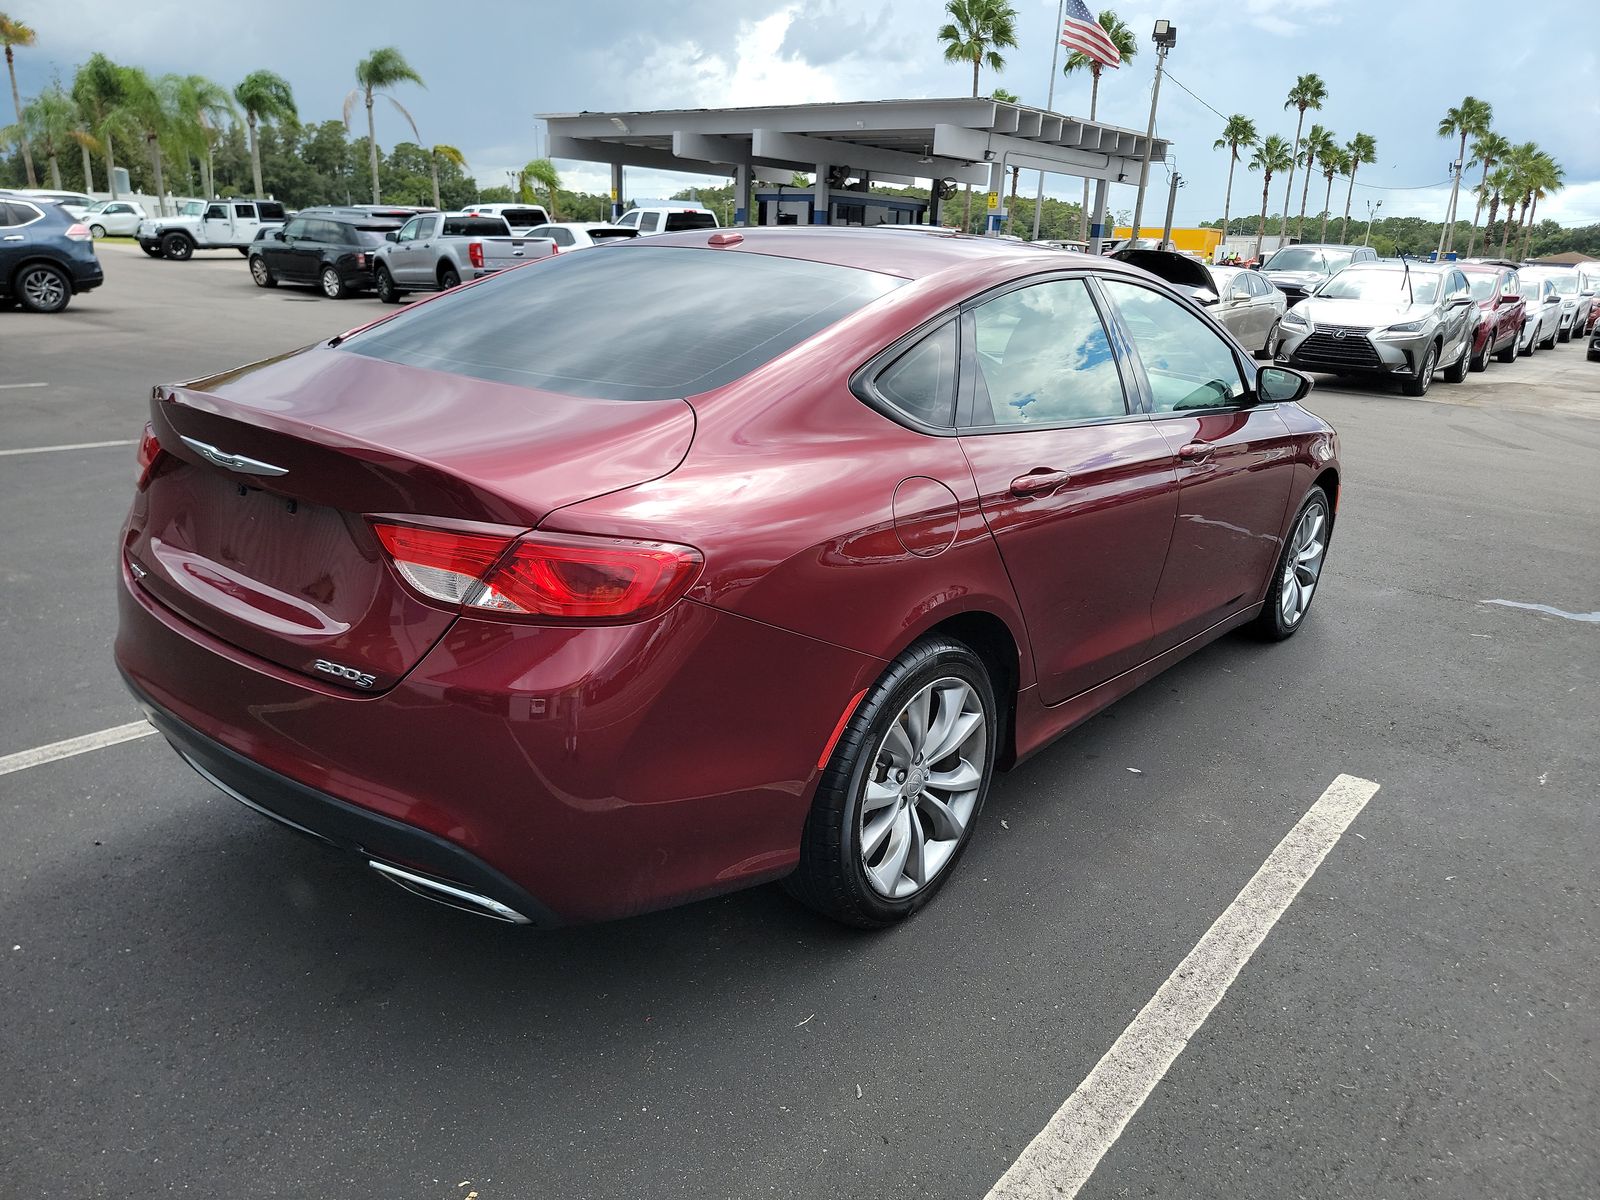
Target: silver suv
x=1383, y=319
x=1297, y=271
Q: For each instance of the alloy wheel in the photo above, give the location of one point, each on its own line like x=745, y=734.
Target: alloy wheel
x=332, y=288
x=1303, y=566
x=43, y=289
x=922, y=787
x=258, y=272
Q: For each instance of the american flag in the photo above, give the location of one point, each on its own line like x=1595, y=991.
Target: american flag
x=1083, y=34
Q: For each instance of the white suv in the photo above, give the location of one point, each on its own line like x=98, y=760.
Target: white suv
x=667, y=218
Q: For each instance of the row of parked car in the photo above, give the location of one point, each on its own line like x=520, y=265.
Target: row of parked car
x=1344, y=311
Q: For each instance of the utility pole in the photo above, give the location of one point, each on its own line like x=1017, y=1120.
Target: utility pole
x=1165, y=37
x=1450, y=213
x=1371, y=208
x=1049, y=104
x=1172, y=202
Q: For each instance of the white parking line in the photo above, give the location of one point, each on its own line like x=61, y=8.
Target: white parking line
x=23, y=759
x=8, y=387
x=72, y=446
x=1058, y=1162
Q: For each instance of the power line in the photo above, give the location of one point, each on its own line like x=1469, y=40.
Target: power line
x=1179, y=82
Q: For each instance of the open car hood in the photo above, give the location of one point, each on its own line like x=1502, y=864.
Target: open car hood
x=1177, y=269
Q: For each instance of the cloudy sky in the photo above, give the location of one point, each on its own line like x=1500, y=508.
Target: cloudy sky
x=1392, y=67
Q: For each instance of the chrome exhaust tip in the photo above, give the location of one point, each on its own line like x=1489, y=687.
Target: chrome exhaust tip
x=448, y=894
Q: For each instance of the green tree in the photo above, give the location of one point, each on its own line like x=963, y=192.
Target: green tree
x=263, y=96
x=1469, y=119
x=1499, y=182
x=203, y=109
x=1319, y=141
x=98, y=90
x=14, y=33
x=1240, y=131
x=976, y=32
x=50, y=120
x=1359, y=149
x=380, y=70
x=1308, y=92
x=1544, y=177
x=543, y=172
x=1489, y=149
x=1335, y=161
x=1127, y=47
x=1271, y=156
x=450, y=155
x=1523, y=160
x=148, y=108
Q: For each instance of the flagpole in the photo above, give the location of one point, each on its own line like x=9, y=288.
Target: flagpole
x=1049, y=104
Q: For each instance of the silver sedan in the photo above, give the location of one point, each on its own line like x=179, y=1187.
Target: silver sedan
x=1241, y=299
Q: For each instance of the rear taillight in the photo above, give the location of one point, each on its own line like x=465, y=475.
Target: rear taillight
x=149, y=454
x=475, y=253
x=79, y=233
x=361, y=259
x=556, y=577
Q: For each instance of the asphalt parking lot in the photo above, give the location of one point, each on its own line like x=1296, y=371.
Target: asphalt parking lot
x=198, y=1002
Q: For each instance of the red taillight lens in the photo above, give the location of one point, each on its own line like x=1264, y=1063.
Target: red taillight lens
x=79, y=233
x=149, y=455
x=475, y=253
x=554, y=577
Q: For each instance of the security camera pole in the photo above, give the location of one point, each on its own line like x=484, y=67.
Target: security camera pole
x=1165, y=37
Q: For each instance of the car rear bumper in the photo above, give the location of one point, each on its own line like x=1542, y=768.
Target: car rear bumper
x=569, y=774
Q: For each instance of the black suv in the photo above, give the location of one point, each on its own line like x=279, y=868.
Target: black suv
x=46, y=257
x=329, y=247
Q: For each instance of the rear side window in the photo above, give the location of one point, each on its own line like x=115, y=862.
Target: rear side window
x=270, y=211
x=245, y=211
x=922, y=382
x=475, y=227
x=636, y=323
x=690, y=220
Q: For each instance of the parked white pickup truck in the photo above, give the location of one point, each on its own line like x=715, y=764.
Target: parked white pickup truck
x=435, y=251
x=218, y=225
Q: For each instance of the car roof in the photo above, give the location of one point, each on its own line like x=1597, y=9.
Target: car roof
x=872, y=249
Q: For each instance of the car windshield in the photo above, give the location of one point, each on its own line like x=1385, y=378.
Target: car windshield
x=97, y=207
x=635, y=323
x=191, y=208
x=1483, y=286
x=1566, y=284
x=1303, y=258
x=1380, y=285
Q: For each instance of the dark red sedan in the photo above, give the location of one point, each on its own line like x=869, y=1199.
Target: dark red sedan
x=1501, y=313
x=657, y=570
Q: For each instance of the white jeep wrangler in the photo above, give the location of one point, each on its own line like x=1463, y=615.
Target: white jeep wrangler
x=209, y=225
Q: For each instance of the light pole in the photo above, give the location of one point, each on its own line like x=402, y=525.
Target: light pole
x=1165, y=37
x=1371, y=208
x=1172, y=201
x=1450, y=209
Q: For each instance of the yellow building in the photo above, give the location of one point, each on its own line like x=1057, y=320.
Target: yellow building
x=1195, y=241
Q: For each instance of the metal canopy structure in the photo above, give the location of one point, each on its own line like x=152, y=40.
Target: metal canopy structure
x=966, y=141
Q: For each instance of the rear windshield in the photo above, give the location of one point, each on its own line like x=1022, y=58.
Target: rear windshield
x=601, y=235
x=522, y=217
x=636, y=323
x=374, y=235
x=474, y=227
x=690, y=220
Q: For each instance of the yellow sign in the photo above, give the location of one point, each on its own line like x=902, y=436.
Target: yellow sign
x=994, y=201
x=613, y=195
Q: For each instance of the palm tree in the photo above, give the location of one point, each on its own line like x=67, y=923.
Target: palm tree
x=543, y=172
x=1359, y=149
x=1308, y=92
x=14, y=33
x=1271, y=156
x=1239, y=131
x=1127, y=46
x=1546, y=177
x=1499, y=181
x=51, y=120
x=98, y=89
x=264, y=97
x=449, y=154
x=1471, y=118
x=976, y=32
x=203, y=106
x=1318, y=142
x=381, y=69
x=1522, y=160
x=1489, y=149
x=1335, y=161
x=147, y=109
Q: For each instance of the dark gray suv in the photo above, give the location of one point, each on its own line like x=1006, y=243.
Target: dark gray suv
x=46, y=257
x=1297, y=271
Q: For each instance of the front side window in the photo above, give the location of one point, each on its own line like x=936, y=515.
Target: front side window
x=295, y=228
x=1188, y=364
x=412, y=230
x=922, y=382
x=217, y=212
x=631, y=220
x=1044, y=358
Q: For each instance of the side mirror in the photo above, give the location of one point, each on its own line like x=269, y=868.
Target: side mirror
x=1280, y=385
x=1460, y=301
x=1553, y=298
x=392, y=236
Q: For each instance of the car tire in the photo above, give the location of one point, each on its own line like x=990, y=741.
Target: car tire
x=1481, y=362
x=332, y=284
x=177, y=247
x=1417, y=385
x=261, y=273
x=1563, y=335
x=1284, y=611
x=1550, y=342
x=384, y=285
x=449, y=277
x=97, y=231
x=1509, y=354
x=42, y=288
x=869, y=837
x=1457, y=371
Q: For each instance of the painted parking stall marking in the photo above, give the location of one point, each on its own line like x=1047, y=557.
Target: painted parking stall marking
x=39, y=755
x=70, y=446
x=1059, y=1161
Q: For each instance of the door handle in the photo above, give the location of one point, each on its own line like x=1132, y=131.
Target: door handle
x=11, y=237
x=1196, y=452
x=1038, y=480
